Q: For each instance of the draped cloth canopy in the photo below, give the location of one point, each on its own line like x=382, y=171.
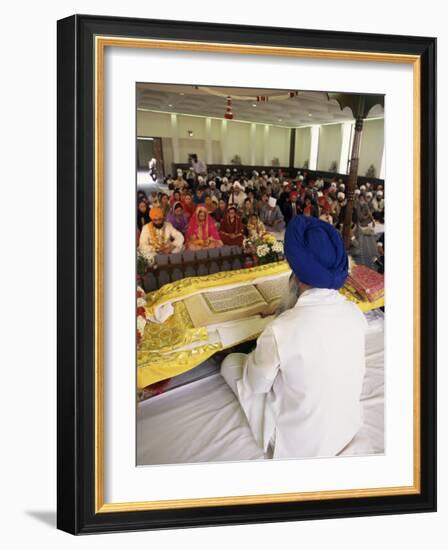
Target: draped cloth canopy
x=315, y=252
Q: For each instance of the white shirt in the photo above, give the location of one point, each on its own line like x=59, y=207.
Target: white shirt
x=199, y=167
x=303, y=381
x=237, y=199
x=165, y=235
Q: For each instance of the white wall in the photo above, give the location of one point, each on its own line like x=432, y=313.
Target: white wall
x=330, y=139
x=278, y=144
x=302, y=148
x=151, y=124
x=238, y=138
x=259, y=144
x=372, y=142
x=239, y=142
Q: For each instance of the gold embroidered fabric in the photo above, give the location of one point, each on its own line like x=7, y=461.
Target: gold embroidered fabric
x=161, y=355
x=177, y=331
x=155, y=366
x=185, y=287
x=364, y=306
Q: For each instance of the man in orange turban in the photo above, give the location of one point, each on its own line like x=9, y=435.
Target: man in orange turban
x=159, y=236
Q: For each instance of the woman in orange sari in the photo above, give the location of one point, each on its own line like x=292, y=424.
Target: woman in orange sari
x=201, y=232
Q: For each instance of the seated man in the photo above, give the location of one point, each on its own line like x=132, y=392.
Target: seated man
x=237, y=196
x=271, y=216
x=302, y=398
x=159, y=236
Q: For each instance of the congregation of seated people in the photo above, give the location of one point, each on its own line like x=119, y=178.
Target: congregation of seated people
x=216, y=209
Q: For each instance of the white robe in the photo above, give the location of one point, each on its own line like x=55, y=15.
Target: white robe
x=302, y=384
x=237, y=199
x=166, y=235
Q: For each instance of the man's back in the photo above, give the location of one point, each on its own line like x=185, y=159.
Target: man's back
x=315, y=396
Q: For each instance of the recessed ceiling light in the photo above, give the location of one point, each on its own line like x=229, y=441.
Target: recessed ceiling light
x=254, y=104
x=309, y=114
x=280, y=120
x=170, y=105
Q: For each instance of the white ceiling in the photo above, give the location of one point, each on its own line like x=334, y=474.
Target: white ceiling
x=303, y=110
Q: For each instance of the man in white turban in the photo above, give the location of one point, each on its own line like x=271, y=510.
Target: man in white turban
x=238, y=196
x=272, y=216
x=301, y=398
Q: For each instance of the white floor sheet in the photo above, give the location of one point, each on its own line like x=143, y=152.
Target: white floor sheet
x=203, y=422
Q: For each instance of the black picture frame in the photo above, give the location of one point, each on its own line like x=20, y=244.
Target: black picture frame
x=76, y=257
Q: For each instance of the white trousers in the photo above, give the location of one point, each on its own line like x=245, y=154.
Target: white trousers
x=232, y=369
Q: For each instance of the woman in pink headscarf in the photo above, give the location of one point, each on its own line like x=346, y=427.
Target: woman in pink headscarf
x=201, y=232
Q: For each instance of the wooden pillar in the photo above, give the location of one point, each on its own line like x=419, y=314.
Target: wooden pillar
x=224, y=144
x=352, y=180
x=292, y=148
x=346, y=134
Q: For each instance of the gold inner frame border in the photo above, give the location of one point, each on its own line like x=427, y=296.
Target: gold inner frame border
x=101, y=42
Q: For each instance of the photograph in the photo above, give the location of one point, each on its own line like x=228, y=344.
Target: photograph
x=260, y=268
x=231, y=346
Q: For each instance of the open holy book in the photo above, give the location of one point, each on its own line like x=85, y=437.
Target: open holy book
x=210, y=308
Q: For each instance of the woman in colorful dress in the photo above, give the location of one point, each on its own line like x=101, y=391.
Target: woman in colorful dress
x=209, y=204
x=188, y=204
x=247, y=211
x=142, y=214
x=201, y=232
x=255, y=228
x=165, y=204
x=231, y=228
x=175, y=198
x=177, y=218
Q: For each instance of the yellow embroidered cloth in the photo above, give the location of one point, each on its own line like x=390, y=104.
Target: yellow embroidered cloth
x=176, y=346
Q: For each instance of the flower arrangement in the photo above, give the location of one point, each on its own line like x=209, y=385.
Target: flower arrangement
x=144, y=261
x=266, y=249
x=141, y=314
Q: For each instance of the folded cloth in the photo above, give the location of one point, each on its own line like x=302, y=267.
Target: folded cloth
x=367, y=283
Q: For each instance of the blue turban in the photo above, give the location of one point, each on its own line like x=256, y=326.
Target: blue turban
x=315, y=252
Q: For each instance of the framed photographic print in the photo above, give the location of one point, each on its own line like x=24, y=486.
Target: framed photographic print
x=233, y=346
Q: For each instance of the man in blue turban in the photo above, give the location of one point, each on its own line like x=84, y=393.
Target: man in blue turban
x=301, y=396
x=315, y=252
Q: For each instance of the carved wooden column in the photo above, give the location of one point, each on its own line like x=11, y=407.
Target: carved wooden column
x=360, y=106
x=352, y=180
